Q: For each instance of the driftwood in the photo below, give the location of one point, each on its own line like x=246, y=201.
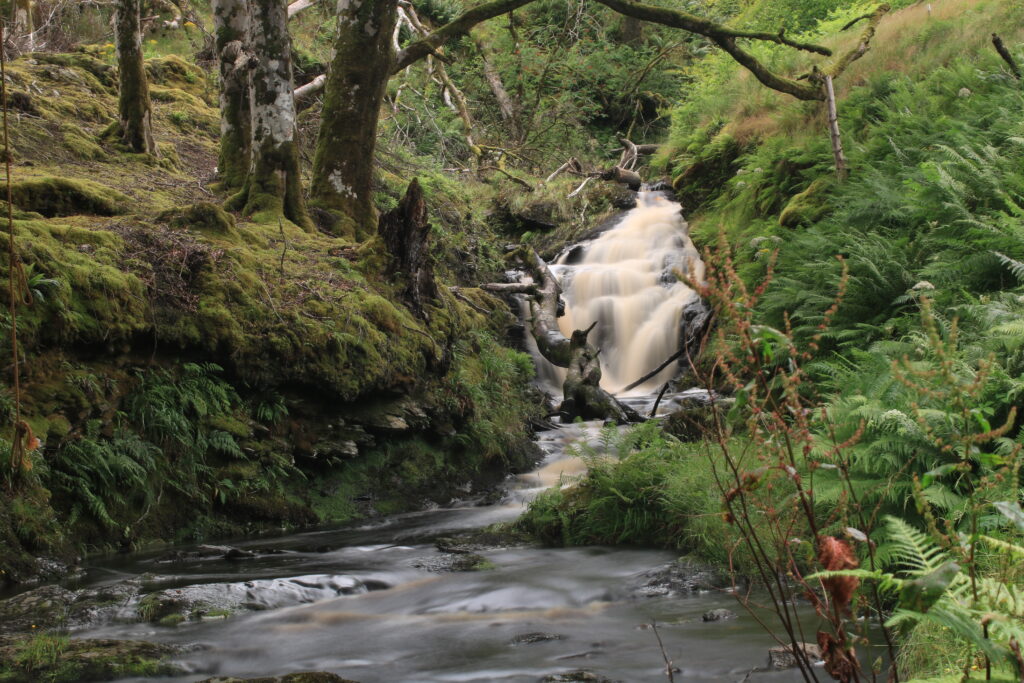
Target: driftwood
x=405, y=232
x=582, y=393
x=509, y=288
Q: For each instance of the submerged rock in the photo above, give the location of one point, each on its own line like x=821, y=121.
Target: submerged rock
x=174, y=605
x=718, y=615
x=682, y=577
x=578, y=675
x=454, y=562
x=535, y=637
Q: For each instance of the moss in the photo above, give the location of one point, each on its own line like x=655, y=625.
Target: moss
x=204, y=217
x=172, y=620
x=104, y=73
x=57, y=659
x=174, y=72
x=66, y=196
x=80, y=143
x=808, y=206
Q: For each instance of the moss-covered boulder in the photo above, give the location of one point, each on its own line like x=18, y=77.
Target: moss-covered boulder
x=808, y=206
x=203, y=217
x=58, y=659
x=68, y=197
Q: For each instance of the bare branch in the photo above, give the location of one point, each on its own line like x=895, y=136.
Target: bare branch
x=299, y=5
x=1005, y=54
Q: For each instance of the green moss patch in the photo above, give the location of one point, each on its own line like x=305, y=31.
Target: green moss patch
x=68, y=197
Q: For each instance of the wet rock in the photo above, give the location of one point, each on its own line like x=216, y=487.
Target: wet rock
x=454, y=562
x=80, y=661
x=305, y=677
x=681, y=577
x=695, y=417
x=578, y=675
x=718, y=615
x=389, y=423
x=52, y=606
x=783, y=657
x=535, y=637
x=621, y=197
x=494, y=537
x=175, y=605
x=238, y=554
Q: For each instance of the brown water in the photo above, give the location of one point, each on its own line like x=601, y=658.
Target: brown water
x=632, y=281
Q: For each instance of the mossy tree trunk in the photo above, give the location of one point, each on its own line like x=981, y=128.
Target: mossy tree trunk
x=135, y=114
x=231, y=29
x=274, y=182
x=356, y=83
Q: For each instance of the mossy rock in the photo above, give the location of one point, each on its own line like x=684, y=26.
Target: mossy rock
x=809, y=206
x=104, y=73
x=57, y=659
x=204, y=217
x=67, y=197
x=174, y=72
x=80, y=143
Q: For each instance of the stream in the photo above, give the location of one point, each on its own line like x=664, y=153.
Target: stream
x=367, y=602
x=384, y=601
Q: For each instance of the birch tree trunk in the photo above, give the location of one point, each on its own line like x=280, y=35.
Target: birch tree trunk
x=274, y=183
x=135, y=114
x=231, y=30
x=356, y=83
x=23, y=24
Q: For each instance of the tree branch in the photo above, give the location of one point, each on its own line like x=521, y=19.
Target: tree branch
x=419, y=49
x=704, y=27
x=837, y=69
x=1005, y=54
x=299, y=5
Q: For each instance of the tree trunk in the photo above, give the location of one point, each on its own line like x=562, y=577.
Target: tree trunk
x=23, y=24
x=406, y=232
x=134, y=111
x=505, y=104
x=833, y=130
x=231, y=28
x=356, y=83
x=274, y=183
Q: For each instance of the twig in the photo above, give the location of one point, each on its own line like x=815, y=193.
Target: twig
x=654, y=410
x=580, y=188
x=284, y=248
x=469, y=302
x=664, y=655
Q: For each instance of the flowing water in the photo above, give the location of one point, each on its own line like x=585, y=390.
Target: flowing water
x=368, y=602
x=632, y=281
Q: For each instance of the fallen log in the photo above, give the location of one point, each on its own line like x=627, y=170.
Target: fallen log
x=619, y=174
x=582, y=395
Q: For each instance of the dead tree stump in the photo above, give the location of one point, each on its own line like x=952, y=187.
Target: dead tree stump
x=406, y=235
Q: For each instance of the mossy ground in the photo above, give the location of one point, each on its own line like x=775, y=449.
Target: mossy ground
x=134, y=269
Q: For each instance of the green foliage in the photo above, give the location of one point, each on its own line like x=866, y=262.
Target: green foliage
x=642, y=487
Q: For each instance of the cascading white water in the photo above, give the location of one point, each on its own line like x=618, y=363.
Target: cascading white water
x=631, y=280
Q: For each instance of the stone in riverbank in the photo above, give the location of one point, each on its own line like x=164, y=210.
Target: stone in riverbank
x=52, y=606
x=782, y=657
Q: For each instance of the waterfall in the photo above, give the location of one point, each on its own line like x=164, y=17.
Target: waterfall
x=627, y=279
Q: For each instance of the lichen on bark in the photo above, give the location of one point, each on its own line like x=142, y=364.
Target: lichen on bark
x=359, y=72
x=231, y=26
